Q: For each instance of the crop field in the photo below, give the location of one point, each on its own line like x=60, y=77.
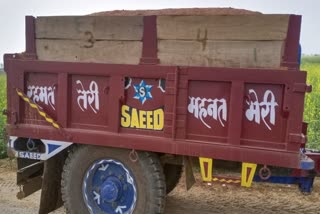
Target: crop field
x=3, y=104
x=311, y=64
x=312, y=101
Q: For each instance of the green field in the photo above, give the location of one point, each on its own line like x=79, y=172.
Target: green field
x=3, y=104
x=312, y=101
x=311, y=114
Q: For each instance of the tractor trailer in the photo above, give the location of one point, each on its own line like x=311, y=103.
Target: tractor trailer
x=105, y=111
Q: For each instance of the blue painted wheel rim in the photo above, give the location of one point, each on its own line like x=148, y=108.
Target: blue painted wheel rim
x=108, y=187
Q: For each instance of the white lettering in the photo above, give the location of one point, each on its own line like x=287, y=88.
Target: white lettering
x=261, y=110
x=90, y=97
x=214, y=108
x=42, y=94
x=30, y=155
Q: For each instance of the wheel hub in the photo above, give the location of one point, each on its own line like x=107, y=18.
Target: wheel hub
x=111, y=189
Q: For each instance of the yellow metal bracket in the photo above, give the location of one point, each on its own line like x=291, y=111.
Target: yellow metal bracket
x=248, y=171
x=206, y=168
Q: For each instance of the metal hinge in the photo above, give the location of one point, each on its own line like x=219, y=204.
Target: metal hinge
x=297, y=138
x=302, y=87
x=12, y=115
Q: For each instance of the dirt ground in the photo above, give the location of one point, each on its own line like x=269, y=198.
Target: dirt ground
x=201, y=199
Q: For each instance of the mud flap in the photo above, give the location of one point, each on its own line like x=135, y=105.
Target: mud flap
x=51, y=184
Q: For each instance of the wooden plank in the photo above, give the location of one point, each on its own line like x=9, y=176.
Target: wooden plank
x=90, y=27
x=237, y=54
x=235, y=27
x=118, y=52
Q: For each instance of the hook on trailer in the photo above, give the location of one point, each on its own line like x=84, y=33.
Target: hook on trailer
x=133, y=156
x=265, y=173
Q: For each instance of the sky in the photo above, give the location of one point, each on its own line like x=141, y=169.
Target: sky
x=12, y=36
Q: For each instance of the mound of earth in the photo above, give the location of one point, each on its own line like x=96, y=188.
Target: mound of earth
x=178, y=11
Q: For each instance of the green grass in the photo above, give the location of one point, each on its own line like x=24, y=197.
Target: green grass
x=3, y=119
x=312, y=101
x=311, y=115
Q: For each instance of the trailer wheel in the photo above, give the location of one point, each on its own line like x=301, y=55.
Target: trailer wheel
x=172, y=174
x=105, y=180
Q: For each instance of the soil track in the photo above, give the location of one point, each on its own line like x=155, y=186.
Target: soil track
x=201, y=199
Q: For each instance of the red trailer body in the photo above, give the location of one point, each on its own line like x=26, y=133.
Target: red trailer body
x=245, y=115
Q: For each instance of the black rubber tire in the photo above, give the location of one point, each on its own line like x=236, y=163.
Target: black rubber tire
x=172, y=175
x=147, y=173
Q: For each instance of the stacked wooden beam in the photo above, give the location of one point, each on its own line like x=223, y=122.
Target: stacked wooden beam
x=249, y=40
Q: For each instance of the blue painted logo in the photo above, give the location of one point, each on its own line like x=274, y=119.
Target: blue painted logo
x=52, y=147
x=143, y=92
